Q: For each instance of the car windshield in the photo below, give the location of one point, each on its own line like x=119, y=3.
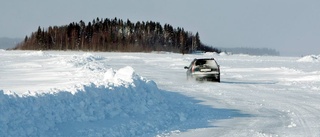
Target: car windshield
x=210, y=63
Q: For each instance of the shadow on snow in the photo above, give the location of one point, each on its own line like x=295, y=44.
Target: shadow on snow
x=196, y=114
x=101, y=111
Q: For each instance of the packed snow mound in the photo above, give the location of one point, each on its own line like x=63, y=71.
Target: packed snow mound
x=124, y=75
x=125, y=96
x=86, y=61
x=310, y=58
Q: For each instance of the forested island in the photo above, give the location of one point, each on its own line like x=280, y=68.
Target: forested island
x=115, y=35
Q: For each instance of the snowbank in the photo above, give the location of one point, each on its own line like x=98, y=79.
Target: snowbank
x=126, y=95
x=310, y=58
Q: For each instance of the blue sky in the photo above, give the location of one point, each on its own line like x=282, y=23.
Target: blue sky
x=289, y=26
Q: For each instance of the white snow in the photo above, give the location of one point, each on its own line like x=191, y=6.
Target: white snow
x=68, y=93
x=310, y=58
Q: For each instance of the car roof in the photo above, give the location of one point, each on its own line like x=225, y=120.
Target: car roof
x=204, y=59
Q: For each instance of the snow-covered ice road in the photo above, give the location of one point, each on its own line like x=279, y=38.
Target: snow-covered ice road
x=280, y=93
x=258, y=96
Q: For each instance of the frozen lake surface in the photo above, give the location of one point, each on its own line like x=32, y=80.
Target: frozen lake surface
x=68, y=93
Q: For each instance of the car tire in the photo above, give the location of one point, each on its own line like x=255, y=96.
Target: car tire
x=218, y=79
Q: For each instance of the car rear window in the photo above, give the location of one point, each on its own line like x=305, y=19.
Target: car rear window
x=211, y=63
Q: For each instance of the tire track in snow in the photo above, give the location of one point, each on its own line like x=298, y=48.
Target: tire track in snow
x=305, y=117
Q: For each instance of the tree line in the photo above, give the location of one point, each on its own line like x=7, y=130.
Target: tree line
x=114, y=35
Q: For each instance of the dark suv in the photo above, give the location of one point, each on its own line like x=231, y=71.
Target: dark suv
x=204, y=69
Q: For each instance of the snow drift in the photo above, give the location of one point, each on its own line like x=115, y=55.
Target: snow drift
x=127, y=96
x=310, y=58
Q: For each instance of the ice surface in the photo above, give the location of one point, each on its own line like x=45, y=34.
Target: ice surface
x=67, y=93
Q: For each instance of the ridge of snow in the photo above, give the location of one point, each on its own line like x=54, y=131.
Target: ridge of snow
x=126, y=96
x=310, y=58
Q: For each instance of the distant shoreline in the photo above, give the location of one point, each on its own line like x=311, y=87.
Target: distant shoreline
x=9, y=43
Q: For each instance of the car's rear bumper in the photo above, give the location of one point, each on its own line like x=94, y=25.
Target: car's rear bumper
x=211, y=76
